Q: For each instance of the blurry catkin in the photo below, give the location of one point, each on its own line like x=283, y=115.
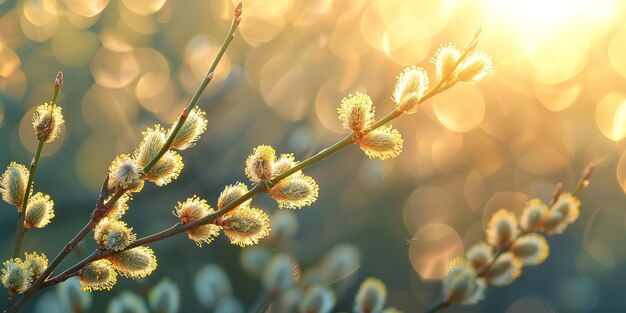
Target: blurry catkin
x=47, y=122
x=97, y=275
x=340, y=262
x=15, y=276
x=153, y=140
x=39, y=211
x=72, y=296
x=134, y=263
x=113, y=234
x=476, y=66
x=127, y=302
x=317, y=300
x=125, y=173
x=295, y=191
x=280, y=274
x=166, y=169
x=232, y=193
x=445, y=59
x=564, y=212
x=13, y=184
x=190, y=132
x=194, y=209
x=284, y=224
x=255, y=259
x=245, y=226
x=260, y=164
x=211, y=285
x=35, y=264
x=382, y=143
x=371, y=296
x=531, y=249
x=164, y=297
x=502, y=228
x=504, y=270
x=410, y=87
x=356, y=112
x=460, y=283
x=284, y=162
x=533, y=213
x=479, y=255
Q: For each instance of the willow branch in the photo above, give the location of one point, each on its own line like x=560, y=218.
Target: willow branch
x=257, y=189
x=102, y=208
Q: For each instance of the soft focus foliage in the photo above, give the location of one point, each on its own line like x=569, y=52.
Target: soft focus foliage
x=555, y=101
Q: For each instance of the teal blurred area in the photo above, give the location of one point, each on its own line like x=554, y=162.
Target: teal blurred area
x=538, y=120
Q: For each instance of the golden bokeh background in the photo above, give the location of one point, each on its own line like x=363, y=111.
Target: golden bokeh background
x=555, y=102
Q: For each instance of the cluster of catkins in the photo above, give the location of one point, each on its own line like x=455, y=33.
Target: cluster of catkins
x=511, y=243
x=357, y=110
x=16, y=187
x=243, y=225
x=156, y=160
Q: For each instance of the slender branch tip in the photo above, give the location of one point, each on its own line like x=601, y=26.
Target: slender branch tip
x=58, y=81
x=238, y=9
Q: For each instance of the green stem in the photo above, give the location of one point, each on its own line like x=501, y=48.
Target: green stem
x=194, y=99
x=20, y=230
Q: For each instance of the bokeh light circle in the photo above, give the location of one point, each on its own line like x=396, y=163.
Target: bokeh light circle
x=432, y=247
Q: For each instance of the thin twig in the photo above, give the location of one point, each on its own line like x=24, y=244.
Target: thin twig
x=20, y=230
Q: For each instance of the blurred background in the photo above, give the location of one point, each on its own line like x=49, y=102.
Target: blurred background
x=556, y=101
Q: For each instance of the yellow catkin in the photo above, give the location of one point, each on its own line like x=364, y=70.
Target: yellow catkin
x=97, y=275
x=39, y=211
x=502, y=228
x=119, y=208
x=231, y=193
x=125, y=173
x=504, y=270
x=134, y=263
x=476, y=66
x=460, y=283
x=410, y=87
x=259, y=165
x=532, y=215
x=444, y=59
x=246, y=226
x=194, y=126
x=479, y=255
x=166, y=169
x=13, y=184
x=153, y=140
x=531, y=249
x=295, y=191
x=356, y=112
x=371, y=296
x=47, y=122
x=567, y=207
x=113, y=235
x=194, y=209
x=15, y=276
x=382, y=143
x=35, y=264
x=284, y=162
